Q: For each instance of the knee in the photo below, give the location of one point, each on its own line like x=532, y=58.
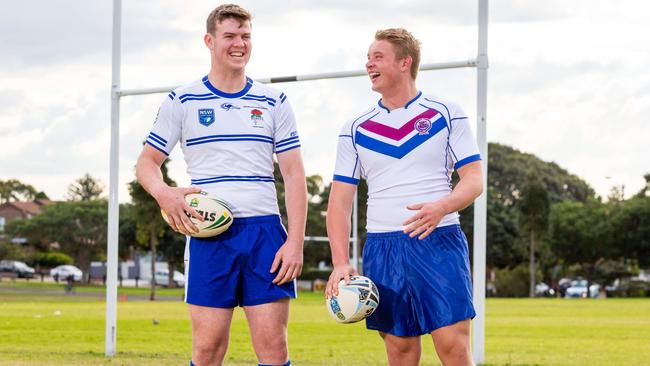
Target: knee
x=275, y=349
x=204, y=353
x=455, y=354
x=403, y=345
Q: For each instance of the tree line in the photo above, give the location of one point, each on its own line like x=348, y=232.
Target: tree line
x=543, y=224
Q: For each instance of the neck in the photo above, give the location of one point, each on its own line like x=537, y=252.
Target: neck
x=227, y=80
x=398, y=95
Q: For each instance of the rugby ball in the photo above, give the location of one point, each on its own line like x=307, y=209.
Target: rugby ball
x=355, y=301
x=216, y=214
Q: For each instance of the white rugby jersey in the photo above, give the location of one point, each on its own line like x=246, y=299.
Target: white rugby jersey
x=406, y=155
x=228, y=140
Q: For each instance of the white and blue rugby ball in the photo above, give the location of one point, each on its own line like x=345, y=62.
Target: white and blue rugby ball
x=217, y=216
x=355, y=301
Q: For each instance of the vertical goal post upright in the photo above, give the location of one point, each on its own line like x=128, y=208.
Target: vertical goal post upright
x=480, y=205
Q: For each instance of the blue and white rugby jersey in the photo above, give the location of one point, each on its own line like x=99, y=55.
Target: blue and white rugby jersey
x=228, y=140
x=406, y=155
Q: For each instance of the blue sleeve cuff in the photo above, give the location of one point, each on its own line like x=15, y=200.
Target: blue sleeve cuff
x=467, y=160
x=157, y=148
x=287, y=149
x=344, y=179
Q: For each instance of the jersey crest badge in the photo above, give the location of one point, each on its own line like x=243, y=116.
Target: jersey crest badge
x=423, y=125
x=206, y=116
x=256, y=115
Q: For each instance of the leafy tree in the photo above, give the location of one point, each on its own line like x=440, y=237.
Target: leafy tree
x=616, y=194
x=127, y=236
x=79, y=228
x=534, y=210
x=318, y=195
x=85, y=188
x=645, y=191
x=150, y=226
x=172, y=247
x=505, y=247
x=509, y=169
x=15, y=190
x=51, y=259
x=41, y=196
x=12, y=251
x=628, y=228
x=579, y=236
x=507, y=173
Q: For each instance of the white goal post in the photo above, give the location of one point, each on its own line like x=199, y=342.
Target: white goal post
x=480, y=205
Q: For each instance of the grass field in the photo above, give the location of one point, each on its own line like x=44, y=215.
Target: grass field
x=54, y=329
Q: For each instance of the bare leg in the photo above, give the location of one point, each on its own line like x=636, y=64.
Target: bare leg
x=210, y=334
x=452, y=344
x=268, y=327
x=402, y=351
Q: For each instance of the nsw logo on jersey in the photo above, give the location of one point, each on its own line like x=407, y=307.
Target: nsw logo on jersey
x=206, y=116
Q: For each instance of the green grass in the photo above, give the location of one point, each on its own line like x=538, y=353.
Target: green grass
x=518, y=332
x=34, y=285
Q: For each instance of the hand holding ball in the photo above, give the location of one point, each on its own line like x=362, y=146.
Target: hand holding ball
x=217, y=216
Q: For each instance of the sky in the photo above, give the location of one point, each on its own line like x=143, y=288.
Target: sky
x=568, y=80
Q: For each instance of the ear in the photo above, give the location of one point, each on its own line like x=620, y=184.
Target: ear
x=406, y=63
x=209, y=40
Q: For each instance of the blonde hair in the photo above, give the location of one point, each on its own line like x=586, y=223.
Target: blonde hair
x=404, y=44
x=223, y=12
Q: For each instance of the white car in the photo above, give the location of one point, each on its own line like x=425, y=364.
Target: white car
x=162, y=278
x=579, y=289
x=61, y=273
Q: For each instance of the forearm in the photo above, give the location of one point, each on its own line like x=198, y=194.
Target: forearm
x=296, y=204
x=149, y=176
x=466, y=191
x=338, y=231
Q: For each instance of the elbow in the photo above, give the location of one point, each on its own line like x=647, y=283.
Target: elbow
x=480, y=188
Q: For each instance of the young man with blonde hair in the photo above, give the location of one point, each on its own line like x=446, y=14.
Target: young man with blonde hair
x=406, y=146
x=229, y=128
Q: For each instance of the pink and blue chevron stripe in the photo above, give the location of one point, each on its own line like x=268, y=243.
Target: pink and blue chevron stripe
x=398, y=142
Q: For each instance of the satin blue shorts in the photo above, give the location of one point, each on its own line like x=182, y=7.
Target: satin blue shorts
x=423, y=284
x=232, y=269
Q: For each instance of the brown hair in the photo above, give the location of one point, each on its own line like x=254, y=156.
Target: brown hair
x=404, y=44
x=226, y=11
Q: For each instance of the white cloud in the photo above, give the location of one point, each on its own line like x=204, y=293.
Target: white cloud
x=567, y=82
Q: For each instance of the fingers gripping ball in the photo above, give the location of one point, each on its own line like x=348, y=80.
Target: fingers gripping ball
x=216, y=214
x=355, y=301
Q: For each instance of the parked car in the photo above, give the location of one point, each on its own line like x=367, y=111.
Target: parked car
x=162, y=278
x=21, y=269
x=62, y=272
x=578, y=288
x=542, y=289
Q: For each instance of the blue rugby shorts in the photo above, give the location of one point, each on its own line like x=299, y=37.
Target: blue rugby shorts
x=232, y=269
x=423, y=284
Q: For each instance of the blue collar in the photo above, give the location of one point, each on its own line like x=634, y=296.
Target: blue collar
x=249, y=83
x=405, y=107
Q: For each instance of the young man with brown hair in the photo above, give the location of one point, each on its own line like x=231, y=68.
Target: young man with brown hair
x=406, y=146
x=229, y=128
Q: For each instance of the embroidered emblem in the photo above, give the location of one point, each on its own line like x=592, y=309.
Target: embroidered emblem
x=206, y=116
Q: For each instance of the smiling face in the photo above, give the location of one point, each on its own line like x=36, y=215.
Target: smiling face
x=383, y=67
x=230, y=45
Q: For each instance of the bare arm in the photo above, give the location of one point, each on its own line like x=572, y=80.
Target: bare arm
x=290, y=256
x=429, y=214
x=339, y=209
x=170, y=199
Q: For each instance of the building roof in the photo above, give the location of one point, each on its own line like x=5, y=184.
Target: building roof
x=28, y=207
